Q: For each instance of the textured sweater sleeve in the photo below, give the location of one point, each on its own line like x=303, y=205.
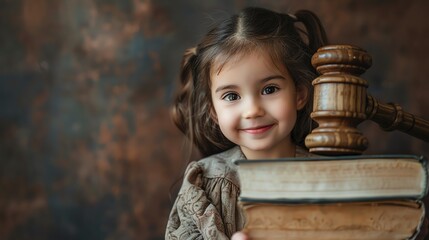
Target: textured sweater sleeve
x=205, y=208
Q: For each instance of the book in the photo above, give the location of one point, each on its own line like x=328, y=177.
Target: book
x=386, y=220
x=333, y=179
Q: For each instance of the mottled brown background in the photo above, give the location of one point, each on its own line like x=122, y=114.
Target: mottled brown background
x=87, y=147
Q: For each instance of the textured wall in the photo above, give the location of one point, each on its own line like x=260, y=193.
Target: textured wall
x=87, y=147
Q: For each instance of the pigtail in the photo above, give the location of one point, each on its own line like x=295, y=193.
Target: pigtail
x=315, y=32
x=312, y=38
x=192, y=108
x=182, y=109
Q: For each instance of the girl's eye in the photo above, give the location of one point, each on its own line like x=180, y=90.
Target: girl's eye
x=269, y=90
x=230, y=97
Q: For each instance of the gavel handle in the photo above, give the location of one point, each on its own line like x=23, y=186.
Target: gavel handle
x=390, y=117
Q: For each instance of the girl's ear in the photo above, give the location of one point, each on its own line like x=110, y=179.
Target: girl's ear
x=301, y=97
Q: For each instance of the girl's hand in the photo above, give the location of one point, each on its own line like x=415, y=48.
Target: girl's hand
x=239, y=236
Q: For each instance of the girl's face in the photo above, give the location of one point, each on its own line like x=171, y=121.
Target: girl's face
x=255, y=105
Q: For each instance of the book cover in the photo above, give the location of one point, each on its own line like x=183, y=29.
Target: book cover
x=387, y=220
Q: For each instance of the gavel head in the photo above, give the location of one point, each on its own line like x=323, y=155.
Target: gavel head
x=339, y=100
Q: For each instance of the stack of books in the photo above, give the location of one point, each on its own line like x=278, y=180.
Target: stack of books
x=350, y=197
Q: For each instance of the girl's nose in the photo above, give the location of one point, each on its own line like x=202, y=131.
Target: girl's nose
x=253, y=110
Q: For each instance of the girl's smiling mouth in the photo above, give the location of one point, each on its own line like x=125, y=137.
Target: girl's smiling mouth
x=258, y=129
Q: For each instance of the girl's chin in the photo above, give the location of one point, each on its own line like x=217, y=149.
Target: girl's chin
x=258, y=151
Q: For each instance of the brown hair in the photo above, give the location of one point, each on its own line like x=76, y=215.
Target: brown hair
x=253, y=28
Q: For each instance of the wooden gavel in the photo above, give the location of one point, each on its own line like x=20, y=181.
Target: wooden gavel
x=341, y=103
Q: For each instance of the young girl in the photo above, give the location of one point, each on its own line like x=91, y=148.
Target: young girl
x=245, y=93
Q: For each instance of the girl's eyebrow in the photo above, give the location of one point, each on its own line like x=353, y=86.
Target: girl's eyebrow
x=221, y=88
x=263, y=80
x=272, y=77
